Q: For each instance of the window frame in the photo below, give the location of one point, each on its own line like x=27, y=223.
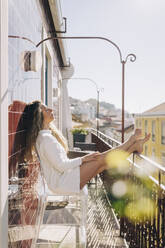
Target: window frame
x=153, y=133
x=145, y=150
x=163, y=154
x=163, y=132
x=146, y=127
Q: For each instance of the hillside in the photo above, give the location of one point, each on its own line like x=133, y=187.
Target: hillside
x=93, y=102
x=105, y=105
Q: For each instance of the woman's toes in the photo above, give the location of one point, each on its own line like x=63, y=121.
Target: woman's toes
x=146, y=138
x=135, y=136
x=140, y=143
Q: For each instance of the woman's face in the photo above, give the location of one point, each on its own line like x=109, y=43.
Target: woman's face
x=47, y=114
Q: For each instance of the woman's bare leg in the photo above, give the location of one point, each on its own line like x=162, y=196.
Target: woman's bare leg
x=128, y=143
x=131, y=145
x=89, y=170
x=125, y=146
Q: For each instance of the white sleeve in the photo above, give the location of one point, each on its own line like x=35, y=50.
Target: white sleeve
x=56, y=155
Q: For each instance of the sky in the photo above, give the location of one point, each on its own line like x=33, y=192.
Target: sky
x=136, y=26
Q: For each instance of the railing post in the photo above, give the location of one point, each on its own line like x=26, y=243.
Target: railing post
x=123, y=94
x=3, y=124
x=159, y=210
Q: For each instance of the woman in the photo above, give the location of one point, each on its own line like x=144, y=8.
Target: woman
x=63, y=175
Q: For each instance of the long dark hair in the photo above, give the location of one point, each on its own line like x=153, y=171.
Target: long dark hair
x=30, y=123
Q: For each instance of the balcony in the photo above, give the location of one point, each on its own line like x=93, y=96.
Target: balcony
x=143, y=222
x=135, y=219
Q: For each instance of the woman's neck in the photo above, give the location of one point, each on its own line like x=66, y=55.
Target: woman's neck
x=46, y=126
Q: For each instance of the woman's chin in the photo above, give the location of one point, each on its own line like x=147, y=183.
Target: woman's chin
x=51, y=120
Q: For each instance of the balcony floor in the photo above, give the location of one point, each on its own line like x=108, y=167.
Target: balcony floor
x=102, y=226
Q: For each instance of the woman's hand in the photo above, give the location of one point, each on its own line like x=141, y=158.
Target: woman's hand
x=91, y=157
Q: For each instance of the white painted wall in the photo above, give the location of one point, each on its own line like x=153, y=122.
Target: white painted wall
x=3, y=123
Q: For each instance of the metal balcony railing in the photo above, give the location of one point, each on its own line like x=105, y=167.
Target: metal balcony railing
x=141, y=210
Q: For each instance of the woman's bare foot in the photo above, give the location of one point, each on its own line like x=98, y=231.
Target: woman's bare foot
x=136, y=135
x=138, y=145
x=132, y=139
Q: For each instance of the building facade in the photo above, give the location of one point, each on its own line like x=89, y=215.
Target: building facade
x=23, y=25
x=153, y=121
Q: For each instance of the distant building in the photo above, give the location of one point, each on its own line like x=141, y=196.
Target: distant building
x=153, y=121
x=113, y=127
x=85, y=111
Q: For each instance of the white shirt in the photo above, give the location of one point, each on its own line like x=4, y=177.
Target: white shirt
x=61, y=173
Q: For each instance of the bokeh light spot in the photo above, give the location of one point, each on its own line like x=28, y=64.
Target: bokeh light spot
x=117, y=159
x=119, y=189
x=140, y=209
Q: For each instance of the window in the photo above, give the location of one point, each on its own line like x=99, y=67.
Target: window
x=153, y=152
x=146, y=127
x=163, y=132
x=153, y=130
x=140, y=124
x=163, y=158
x=136, y=123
